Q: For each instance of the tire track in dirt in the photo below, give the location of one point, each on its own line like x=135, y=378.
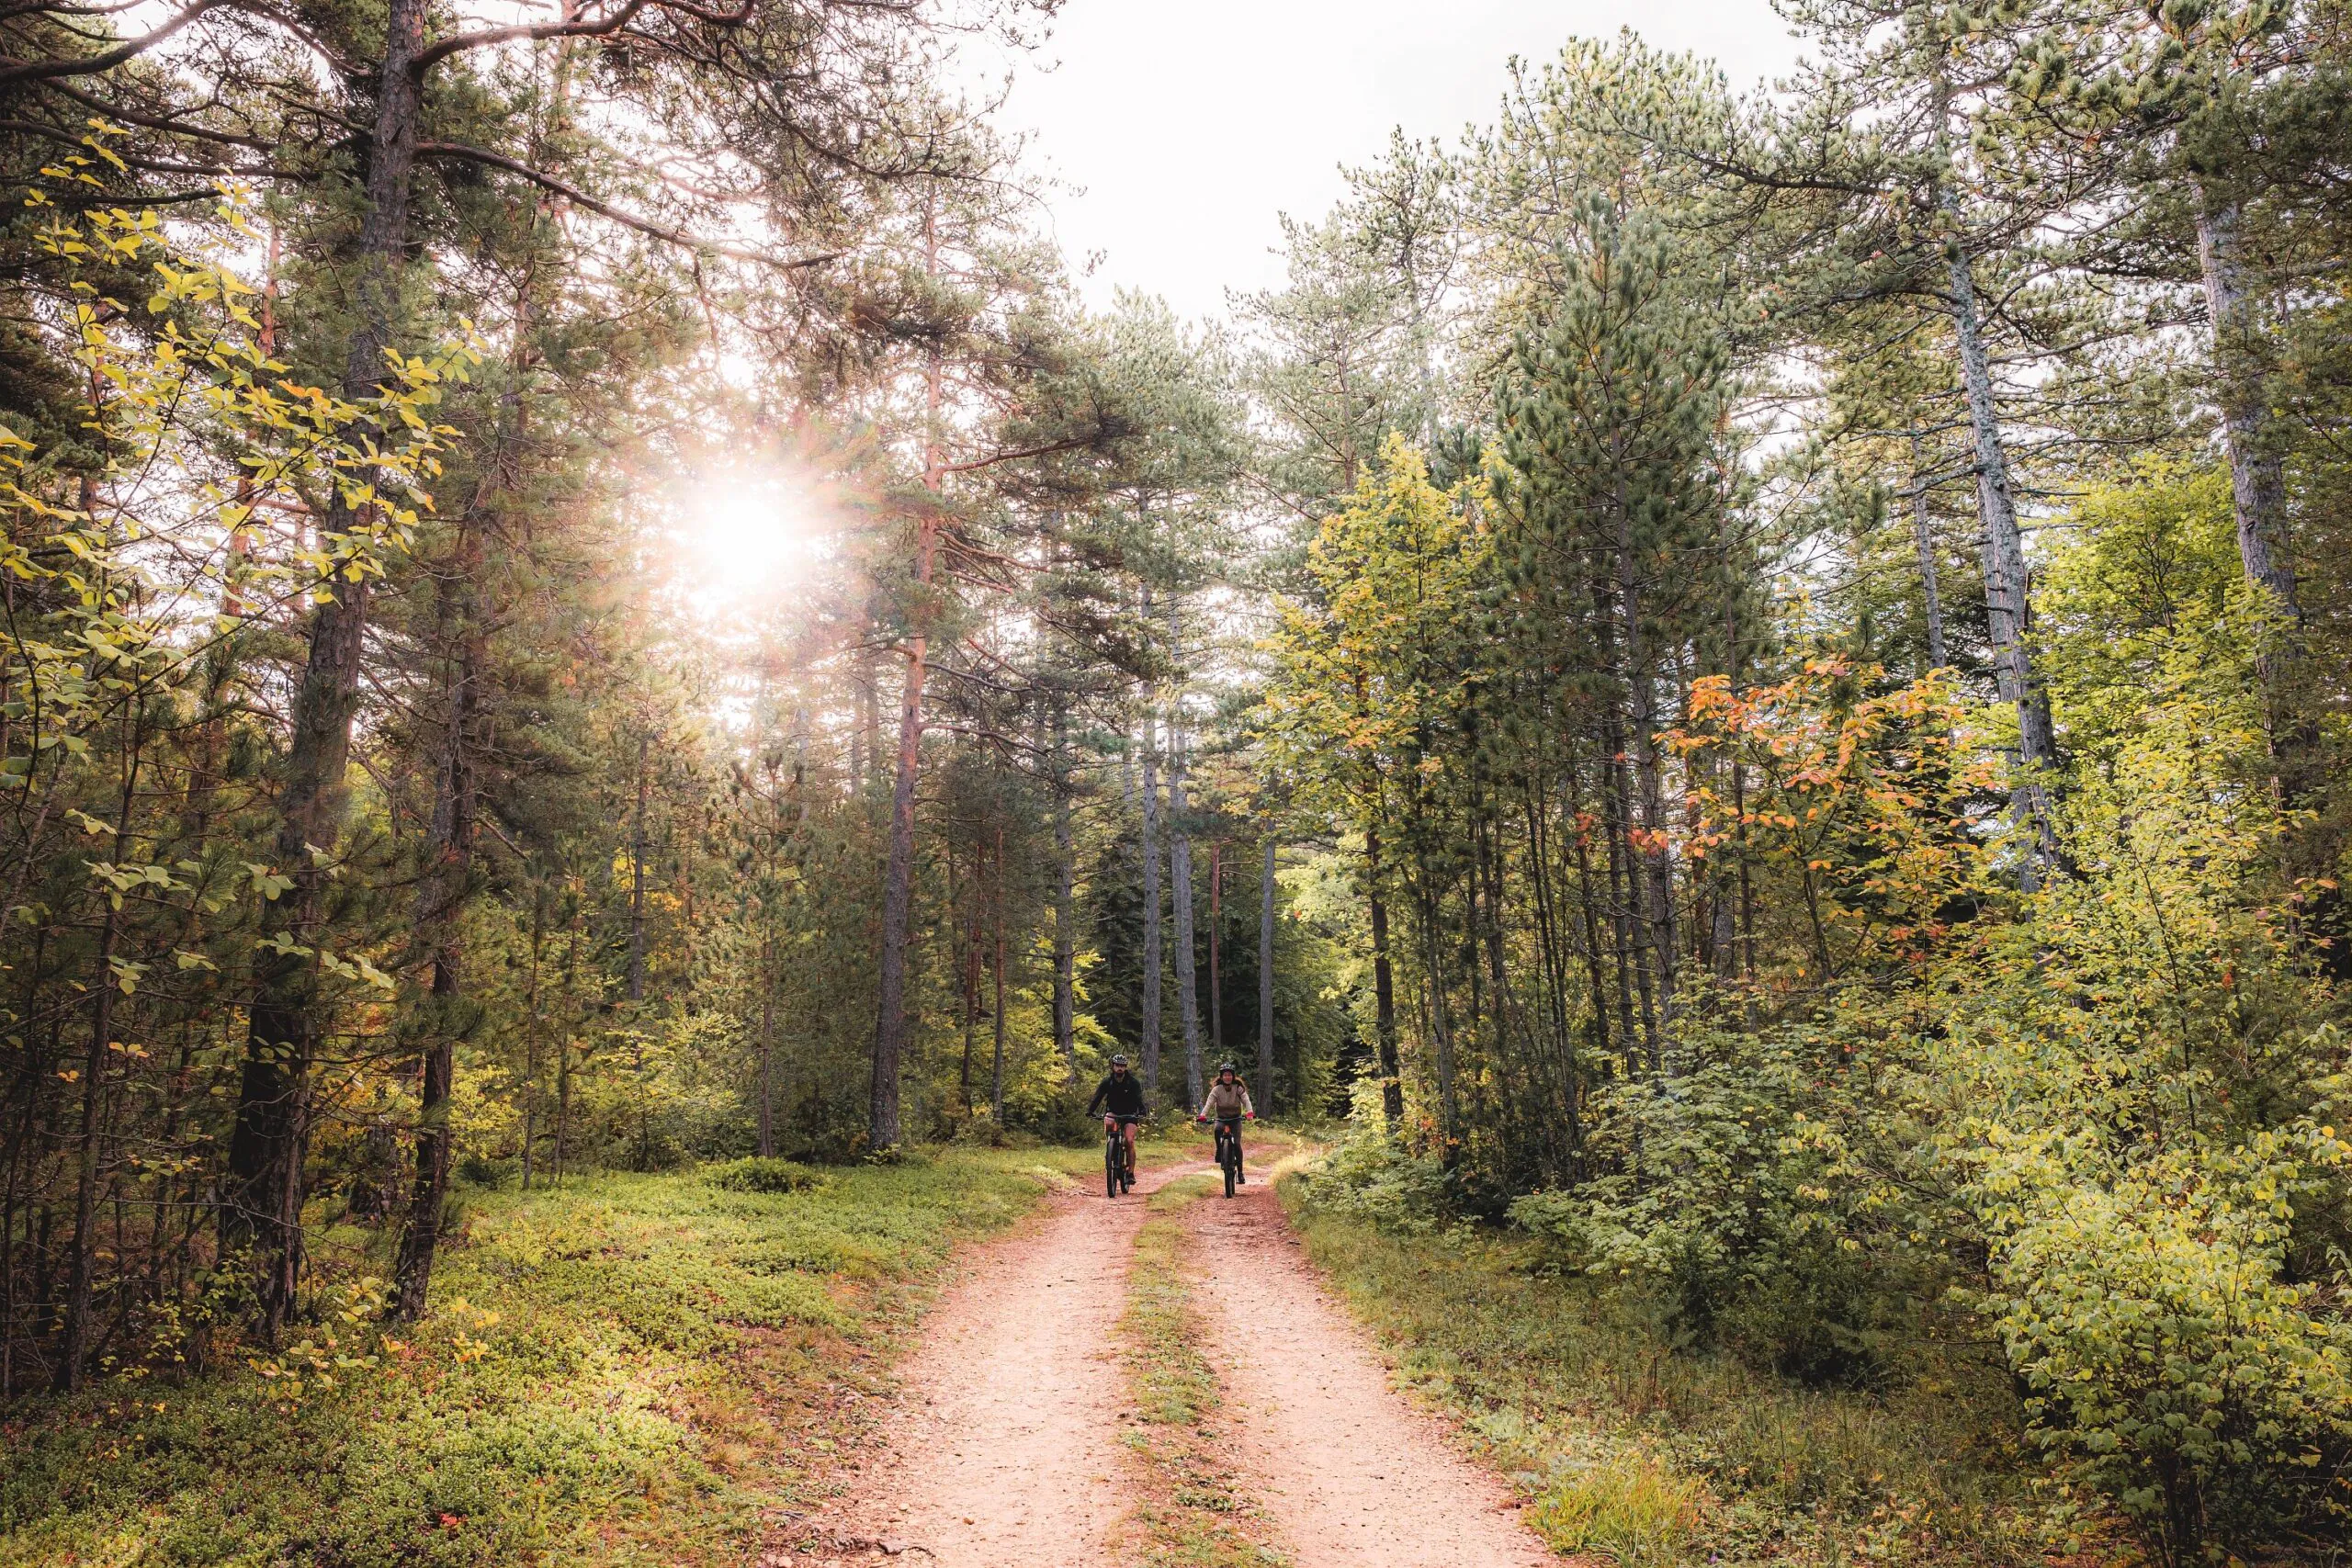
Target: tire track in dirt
x=1002, y=1449
x=1352, y=1475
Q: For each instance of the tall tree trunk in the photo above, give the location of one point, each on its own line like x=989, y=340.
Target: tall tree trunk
x=1383, y=988
x=639, y=847
x=1216, y=971
x=1923, y=540
x=74, y=1341
x=1149, y=1049
x=1064, y=908
x=995, y=1077
x=2001, y=550
x=767, y=1048
x=897, y=882
x=2257, y=479
x=1266, y=971
x=441, y=900
x=261, y=1197
x=533, y=1026
x=968, y=973
x=1652, y=854
x=1180, y=879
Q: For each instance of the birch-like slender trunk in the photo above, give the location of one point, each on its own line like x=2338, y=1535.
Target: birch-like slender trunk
x=2001, y=551
x=2258, y=478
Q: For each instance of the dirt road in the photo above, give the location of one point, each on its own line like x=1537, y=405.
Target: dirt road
x=1003, y=1451
x=1352, y=1472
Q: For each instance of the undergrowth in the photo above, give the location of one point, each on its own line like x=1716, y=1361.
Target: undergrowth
x=634, y=1369
x=1632, y=1446
x=1190, y=1511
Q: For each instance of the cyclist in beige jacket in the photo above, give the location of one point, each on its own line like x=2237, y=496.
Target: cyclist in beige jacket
x=1227, y=1104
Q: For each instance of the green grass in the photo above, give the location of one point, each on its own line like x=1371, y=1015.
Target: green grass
x=1189, y=1507
x=637, y=1369
x=1633, y=1451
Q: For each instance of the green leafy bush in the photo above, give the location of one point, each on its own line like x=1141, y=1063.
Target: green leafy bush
x=1731, y=1191
x=2171, y=1364
x=761, y=1174
x=1371, y=1177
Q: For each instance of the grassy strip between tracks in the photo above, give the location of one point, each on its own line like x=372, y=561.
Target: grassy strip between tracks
x=1191, y=1511
x=634, y=1370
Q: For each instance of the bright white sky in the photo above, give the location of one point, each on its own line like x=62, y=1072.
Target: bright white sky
x=1189, y=126
x=1182, y=131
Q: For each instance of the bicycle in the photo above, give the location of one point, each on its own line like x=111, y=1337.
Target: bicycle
x=1228, y=1149
x=1118, y=1170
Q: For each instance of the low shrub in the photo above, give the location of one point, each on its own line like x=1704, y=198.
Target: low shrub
x=1369, y=1177
x=762, y=1174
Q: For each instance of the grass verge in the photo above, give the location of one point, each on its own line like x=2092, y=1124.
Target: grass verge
x=1632, y=1450
x=1190, y=1509
x=634, y=1370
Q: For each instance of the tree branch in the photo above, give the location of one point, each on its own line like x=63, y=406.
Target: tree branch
x=105, y=60
x=572, y=193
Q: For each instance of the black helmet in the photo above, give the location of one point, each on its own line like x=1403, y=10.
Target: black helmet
x=1118, y=1061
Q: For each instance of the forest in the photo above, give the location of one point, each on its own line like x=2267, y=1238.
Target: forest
x=1743, y=694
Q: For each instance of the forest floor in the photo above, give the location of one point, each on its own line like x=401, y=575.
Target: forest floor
x=1627, y=1444
x=1253, y=1423
x=633, y=1369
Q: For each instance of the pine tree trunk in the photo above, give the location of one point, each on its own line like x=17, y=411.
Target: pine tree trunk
x=767, y=1051
x=73, y=1339
x=261, y=1197
x=441, y=905
x=1383, y=988
x=1922, y=538
x=1149, y=1048
x=883, y=1130
x=2002, y=551
x=1266, y=975
x=1065, y=912
x=1180, y=879
x=1216, y=970
x=638, y=849
x=995, y=1077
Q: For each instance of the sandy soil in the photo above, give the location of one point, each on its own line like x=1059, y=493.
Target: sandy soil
x=1003, y=1451
x=1352, y=1475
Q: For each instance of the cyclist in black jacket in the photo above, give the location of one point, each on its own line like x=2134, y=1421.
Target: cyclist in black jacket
x=1120, y=1099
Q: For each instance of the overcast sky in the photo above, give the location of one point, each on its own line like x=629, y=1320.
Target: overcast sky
x=1188, y=125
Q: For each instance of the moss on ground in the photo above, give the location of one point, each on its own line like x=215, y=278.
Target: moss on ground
x=634, y=1369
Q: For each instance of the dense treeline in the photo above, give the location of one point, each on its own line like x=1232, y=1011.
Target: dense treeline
x=1835, y=710
x=1755, y=688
